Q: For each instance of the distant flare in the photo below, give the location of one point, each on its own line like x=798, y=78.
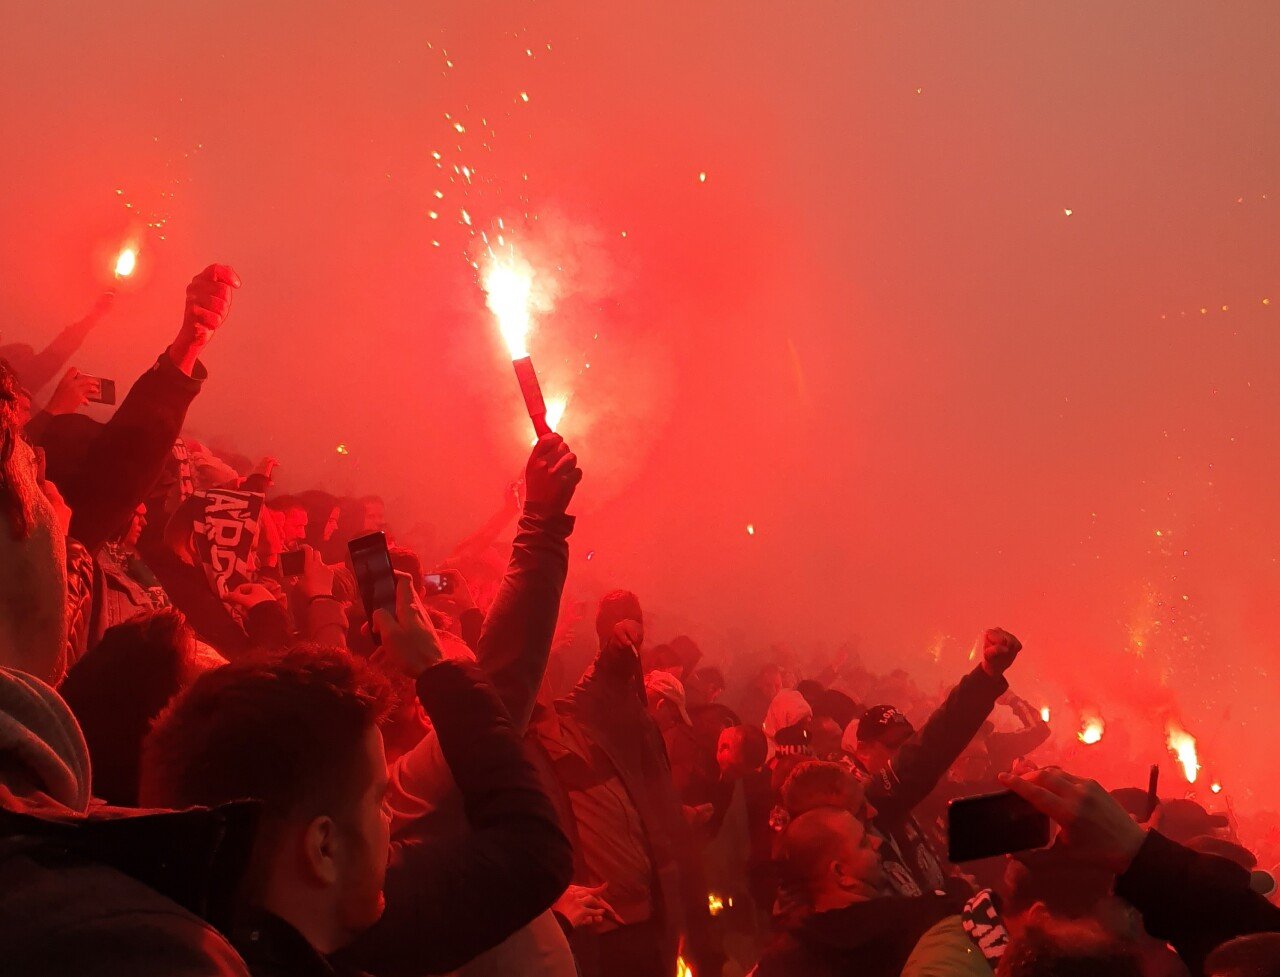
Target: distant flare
x=126, y=262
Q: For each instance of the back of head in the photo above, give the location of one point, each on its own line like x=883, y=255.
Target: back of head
x=806, y=849
x=1257, y=955
x=118, y=688
x=820, y=783
x=1068, y=950
x=280, y=729
x=616, y=607
x=1067, y=887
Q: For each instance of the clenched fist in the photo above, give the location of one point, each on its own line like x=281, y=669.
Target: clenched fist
x=999, y=649
x=552, y=474
x=206, y=308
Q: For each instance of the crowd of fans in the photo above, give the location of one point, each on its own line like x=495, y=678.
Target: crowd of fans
x=212, y=762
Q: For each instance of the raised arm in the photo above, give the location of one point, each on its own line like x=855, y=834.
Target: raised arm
x=923, y=759
x=516, y=639
x=451, y=898
x=44, y=366
x=1194, y=901
x=128, y=455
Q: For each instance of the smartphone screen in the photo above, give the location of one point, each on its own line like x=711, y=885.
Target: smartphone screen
x=106, y=391
x=292, y=562
x=993, y=824
x=436, y=583
x=374, y=576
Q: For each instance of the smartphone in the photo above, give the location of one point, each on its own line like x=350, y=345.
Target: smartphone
x=437, y=583
x=106, y=391
x=291, y=563
x=993, y=824
x=374, y=576
x=41, y=460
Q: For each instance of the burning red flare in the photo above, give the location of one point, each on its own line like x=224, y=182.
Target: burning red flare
x=1183, y=746
x=1091, y=728
x=126, y=262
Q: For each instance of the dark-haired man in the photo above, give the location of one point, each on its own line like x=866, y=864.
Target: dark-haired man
x=299, y=733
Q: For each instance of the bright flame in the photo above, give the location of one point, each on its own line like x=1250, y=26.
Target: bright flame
x=508, y=287
x=1183, y=746
x=715, y=904
x=1044, y=713
x=1091, y=728
x=682, y=968
x=555, y=410
x=126, y=261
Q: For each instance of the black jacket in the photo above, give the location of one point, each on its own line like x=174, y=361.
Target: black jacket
x=867, y=939
x=127, y=896
x=451, y=898
x=911, y=865
x=1194, y=901
x=127, y=455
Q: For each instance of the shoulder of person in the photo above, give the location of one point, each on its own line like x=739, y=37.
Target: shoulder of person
x=94, y=921
x=945, y=950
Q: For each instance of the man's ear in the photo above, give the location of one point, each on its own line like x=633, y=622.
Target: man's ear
x=319, y=851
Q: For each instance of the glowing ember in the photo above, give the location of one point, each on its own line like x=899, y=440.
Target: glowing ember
x=715, y=905
x=126, y=261
x=751, y=529
x=1216, y=788
x=682, y=968
x=1044, y=713
x=1183, y=746
x=1091, y=728
x=342, y=449
x=702, y=177
x=1067, y=211
x=508, y=287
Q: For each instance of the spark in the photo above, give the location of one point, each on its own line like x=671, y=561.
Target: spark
x=126, y=262
x=715, y=904
x=1068, y=211
x=702, y=177
x=1044, y=713
x=459, y=127
x=1183, y=746
x=524, y=96
x=1216, y=787
x=751, y=529
x=466, y=218
x=342, y=449
x=439, y=194
x=432, y=214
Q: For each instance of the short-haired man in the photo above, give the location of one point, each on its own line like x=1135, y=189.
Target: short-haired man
x=299, y=733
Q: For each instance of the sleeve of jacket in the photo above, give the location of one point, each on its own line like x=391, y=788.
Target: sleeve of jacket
x=1195, y=901
x=1004, y=748
x=49, y=362
x=449, y=899
x=924, y=758
x=516, y=639
x=128, y=455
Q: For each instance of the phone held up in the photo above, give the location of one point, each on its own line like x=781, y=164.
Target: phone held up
x=375, y=578
x=292, y=563
x=993, y=824
x=437, y=583
x=106, y=391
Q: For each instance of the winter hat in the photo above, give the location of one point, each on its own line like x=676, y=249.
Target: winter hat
x=40, y=737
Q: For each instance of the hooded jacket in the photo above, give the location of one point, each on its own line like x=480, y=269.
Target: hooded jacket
x=84, y=892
